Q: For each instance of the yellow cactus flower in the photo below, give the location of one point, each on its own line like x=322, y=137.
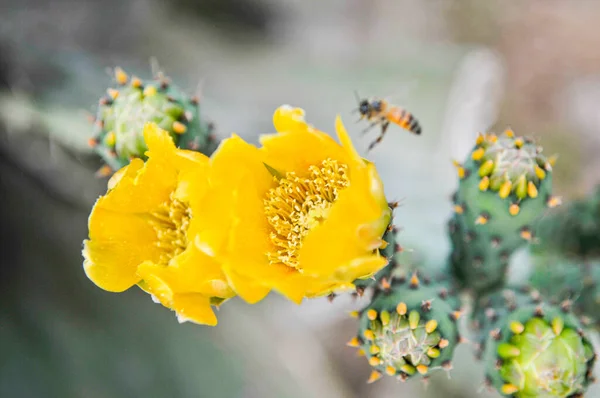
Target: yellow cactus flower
x=142, y=232
x=302, y=215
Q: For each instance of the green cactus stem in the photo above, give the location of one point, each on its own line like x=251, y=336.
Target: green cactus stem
x=574, y=229
x=531, y=348
x=123, y=112
x=567, y=280
x=504, y=188
x=410, y=328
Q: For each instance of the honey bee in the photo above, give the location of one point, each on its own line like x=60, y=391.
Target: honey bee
x=380, y=112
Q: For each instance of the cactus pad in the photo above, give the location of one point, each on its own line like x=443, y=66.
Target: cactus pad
x=531, y=348
x=504, y=189
x=409, y=329
x=124, y=111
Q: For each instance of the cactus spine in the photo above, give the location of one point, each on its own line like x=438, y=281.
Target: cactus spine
x=531, y=348
x=504, y=188
x=124, y=111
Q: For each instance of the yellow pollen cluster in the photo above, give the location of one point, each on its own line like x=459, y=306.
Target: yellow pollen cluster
x=297, y=205
x=171, y=222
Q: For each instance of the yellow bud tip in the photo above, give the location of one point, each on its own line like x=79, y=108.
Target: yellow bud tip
x=375, y=375
x=111, y=139
x=443, y=343
x=458, y=209
x=516, y=327
x=385, y=284
x=149, y=91
x=374, y=361
x=554, y=201
x=433, y=352
x=113, y=93
x=492, y=138
x=361, y=353
x=461, y=172
x=456, y=315
x=484, y=184
x=532, y=190
x=526, y=234
x=354, y=342
x=479, y=139
x=539, y=172
x=422, y=369
x=136, y=82
x=120, y=76
x=431, y=325
x=369, y=335
x=486, y=168
x=92, y=143
x=354, y=314
x=385, y=318
x=519, y=143
x=179, y=127
x=383, y=244
x=104, y=171
x=374, y=350
x=408, y=369
x=401, y=309
x=481, y=220
x=509, y=133
x=414, y=280
x=413, y=319
x=372, y=314
x=509, y=389
x=478, y=154
x=505, y=189
x=514, y=209
x=557, y=325
x=390, y=370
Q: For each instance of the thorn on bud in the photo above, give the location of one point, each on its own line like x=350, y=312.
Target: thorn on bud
x=414, y=281
x=526, y=233
x=120, y=76
x=331, y=297
x=553, y=201
x=514, y=209
x=385, y=284
x=104, y=171
x=483, y=218
x=375, y=375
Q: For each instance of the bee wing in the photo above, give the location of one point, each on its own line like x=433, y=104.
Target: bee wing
x=403, y=92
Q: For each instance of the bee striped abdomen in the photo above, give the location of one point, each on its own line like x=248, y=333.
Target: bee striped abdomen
x=405, y=120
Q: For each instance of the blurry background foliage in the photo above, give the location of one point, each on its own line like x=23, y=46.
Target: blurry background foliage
x=459, y=66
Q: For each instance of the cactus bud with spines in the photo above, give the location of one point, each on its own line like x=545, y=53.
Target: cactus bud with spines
x=504, y=187
x=123, y=112
x=531, y=348
x=410, y=328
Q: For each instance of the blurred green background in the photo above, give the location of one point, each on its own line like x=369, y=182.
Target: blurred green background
x=459, y=66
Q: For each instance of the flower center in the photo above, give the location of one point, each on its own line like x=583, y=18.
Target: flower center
x=171, y=221
x=297, y=205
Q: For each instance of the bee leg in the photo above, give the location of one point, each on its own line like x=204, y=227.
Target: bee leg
x=384, y=128
x=366, y=130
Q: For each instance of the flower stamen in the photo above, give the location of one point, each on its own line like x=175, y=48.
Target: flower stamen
x=171, y=221
x=298, y=205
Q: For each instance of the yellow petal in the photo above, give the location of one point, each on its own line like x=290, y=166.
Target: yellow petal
x=345, y=139
x=233, y=161
x=298, y=150
x=352, y=230
x=191, y=306
x=248, y=289
x=112, y=265
x=190, y=272
x=161, y=147
x=141, y=188
x=287, y=118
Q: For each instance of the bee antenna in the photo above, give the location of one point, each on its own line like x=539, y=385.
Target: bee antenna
x=357, y=96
